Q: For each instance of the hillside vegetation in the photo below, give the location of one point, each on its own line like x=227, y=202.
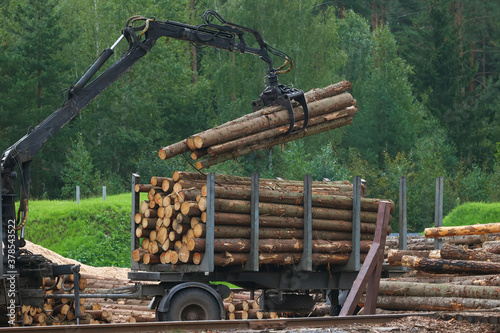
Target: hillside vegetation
x=473, y=213
x=94, y=232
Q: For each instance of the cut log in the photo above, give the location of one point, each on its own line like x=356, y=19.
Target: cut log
x=255, y=314
x=229, y=307
x=149, y=223
x=406, y=303
x=450, y=266
x=244, y=207
x=449, y=251
x=395, y=288
x=182, y=175
x=290, y=222
x=190, y=208
x=227, y=259
x=295, y=198
x=144, y=188
x=158, y=181
x=227, y=231
x=279, y=118
x=173, y=150
x=492, y=246
x=140, y=232
x=275, y=245
x=394, y=256
x=477, y=229
x=206, y=162
x=247, y=140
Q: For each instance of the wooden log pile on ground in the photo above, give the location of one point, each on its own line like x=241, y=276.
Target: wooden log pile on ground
x=56, y=311
x=240, y=305
x=171, y=223
x=461, y=276
x=124, y=310
x=329, y=108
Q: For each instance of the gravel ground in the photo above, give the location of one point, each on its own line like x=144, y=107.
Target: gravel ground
x=408, y=324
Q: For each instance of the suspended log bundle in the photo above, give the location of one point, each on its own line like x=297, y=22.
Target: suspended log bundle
x=178, y=234
x=329, y=108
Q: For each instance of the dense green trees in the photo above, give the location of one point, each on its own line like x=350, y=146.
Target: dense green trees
x=425, y=74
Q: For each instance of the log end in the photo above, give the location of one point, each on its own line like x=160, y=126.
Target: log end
x=162, y=154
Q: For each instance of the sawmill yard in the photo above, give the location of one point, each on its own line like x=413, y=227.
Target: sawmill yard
x=461, y=296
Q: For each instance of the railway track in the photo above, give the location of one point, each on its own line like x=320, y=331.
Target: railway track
x=253, y=324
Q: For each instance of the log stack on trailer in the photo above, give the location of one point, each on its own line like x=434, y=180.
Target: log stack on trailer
x=461, y=276
x=171, y=224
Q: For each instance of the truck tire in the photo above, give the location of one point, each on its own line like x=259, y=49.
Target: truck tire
x=191, y=304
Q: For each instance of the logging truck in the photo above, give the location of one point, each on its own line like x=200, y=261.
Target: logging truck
x=181, y=292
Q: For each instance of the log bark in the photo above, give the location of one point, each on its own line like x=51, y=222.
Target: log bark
x=492, y=246
x=458, y=252
x=479, y=280
x=275, y=245
x=255, y=314
x=151, y=259
x=229, y=259
x=157, y=181
x=451, y=266
x=395, y=288
x=140, y=232
x=477, y=229
x=143, y=187
x=394, y=256
x=244, y=207
x=405, y=303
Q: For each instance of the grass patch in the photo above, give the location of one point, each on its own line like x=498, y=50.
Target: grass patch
x=94, y=232
x=473, y=213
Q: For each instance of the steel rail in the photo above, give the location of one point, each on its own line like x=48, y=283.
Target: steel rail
x=204, y=325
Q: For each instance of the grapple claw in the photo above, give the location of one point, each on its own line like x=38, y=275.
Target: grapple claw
x=278, y=94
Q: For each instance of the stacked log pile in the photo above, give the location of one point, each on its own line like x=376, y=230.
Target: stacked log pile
x=329, y=108
x=240, y=305
x=55, y=311
x=122, y=310
x=458, y=277
x=171, y=224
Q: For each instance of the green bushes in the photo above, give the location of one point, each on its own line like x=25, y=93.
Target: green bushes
x=473, y=213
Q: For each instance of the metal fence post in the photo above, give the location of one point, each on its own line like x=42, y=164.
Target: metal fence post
x=403, y=228
x=104, y=193
x=77, y=194
x=438, y=211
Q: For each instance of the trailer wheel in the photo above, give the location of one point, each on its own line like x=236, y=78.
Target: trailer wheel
x=191, y=304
